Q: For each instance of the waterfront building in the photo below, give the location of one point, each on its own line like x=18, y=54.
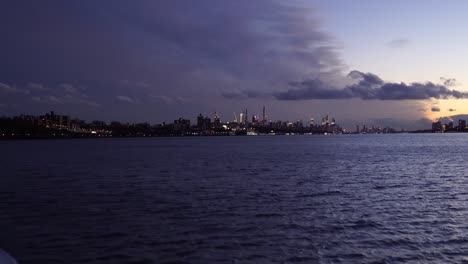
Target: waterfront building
x=217, y=121
x=461, y=125
x=437, y=127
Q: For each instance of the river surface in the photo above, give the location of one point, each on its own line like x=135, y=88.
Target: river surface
x=266, y=199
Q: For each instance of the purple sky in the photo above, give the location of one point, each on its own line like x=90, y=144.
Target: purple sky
x=155, y=61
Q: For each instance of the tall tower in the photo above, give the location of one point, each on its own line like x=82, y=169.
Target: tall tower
x=264, y=116
x=217, y=120
x=200, y=121
x=246, y=119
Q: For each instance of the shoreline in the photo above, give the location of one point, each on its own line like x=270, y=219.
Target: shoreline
x=76, y=137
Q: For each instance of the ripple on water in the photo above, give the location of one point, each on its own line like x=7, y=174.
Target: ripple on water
x=343, y=199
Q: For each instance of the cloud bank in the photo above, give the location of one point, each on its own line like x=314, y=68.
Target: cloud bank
x=368, y=87
x=122, y=50
x=448, y=81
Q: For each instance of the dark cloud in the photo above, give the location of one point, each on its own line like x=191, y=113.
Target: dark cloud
x=126, y=99
x=312, y=89
x=398, y=43
x=452, y=110
x=435, y=109
x=245, y=94
x=168, y=99
x=7, y=88
x=49, y=99
x=180, y=48
x=234, y=95
x=368, y=87
x=448, y=81
x=65, y=94
x=162, y=98
x=366, y=79
x=37, y=87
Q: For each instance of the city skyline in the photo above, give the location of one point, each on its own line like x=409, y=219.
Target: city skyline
x=57, y=125
x=52, y=125
x=214, y=118
x=145, y=61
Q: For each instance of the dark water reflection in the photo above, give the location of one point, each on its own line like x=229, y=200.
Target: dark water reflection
x=302, y=199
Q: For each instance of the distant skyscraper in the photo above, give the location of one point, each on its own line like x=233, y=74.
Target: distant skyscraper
x=200, y=121
x=436, y=127
x=241, y=118
x=181, y=124
x=246, y=118
x=264, y=115
x=207, y=123
x=203, y=123
x=461, y=125
x=217, y=121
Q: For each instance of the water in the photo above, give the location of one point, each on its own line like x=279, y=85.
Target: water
x=299, y=199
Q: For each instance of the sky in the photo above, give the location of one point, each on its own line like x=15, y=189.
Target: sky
x=388, y=63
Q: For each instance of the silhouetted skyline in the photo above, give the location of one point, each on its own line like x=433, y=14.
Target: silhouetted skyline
x=56, y=125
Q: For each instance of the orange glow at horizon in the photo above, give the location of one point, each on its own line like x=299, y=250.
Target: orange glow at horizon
x=448, y=108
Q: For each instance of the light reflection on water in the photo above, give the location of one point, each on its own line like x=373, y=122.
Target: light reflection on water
x=311, y=199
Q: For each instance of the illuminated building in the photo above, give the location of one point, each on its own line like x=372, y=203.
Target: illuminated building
x=217, y=121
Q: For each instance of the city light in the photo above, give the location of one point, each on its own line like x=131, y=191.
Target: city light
x=56, y=125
